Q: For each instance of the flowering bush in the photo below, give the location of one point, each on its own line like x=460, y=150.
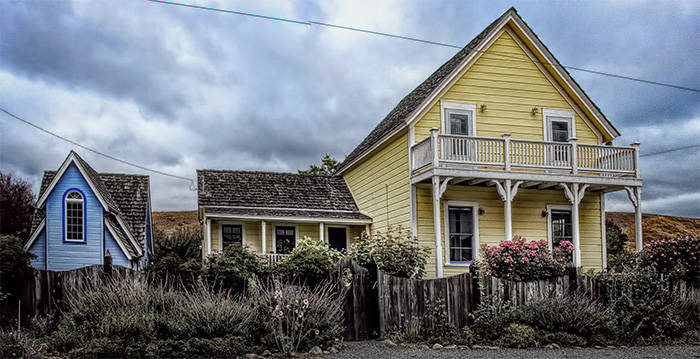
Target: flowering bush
x=395, y=253
x=295, y=318
x=310, y=261
x=521, y=261
x=678, y=257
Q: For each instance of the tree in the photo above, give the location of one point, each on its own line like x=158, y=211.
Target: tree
x=16, y=207
x=618, y=254
x=327, y=168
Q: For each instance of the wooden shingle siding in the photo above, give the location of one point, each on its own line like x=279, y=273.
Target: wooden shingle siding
x=528, y=222
x=380, y=185
x=38, y=248
x=510, y=89
x=118, y=256
x=67, y=256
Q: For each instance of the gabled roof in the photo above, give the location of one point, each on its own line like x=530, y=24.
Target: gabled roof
x=273, y=194
x=126, y=195
x=401, y=115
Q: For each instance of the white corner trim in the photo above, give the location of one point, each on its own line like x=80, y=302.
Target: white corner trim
x=35, y=234
x=475, y=220
x=119, y=243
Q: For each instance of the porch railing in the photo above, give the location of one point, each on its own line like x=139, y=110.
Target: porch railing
x=525, y=154
x=271, y=258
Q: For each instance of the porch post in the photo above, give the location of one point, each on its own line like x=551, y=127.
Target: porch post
x=638, y=219
x=436, y=226
x=434, y=146
x=507, y=191
x=575, y=228
x=414, y=215
x=367, y=229
x=263, y=226
x=574, y=155
x=321, y=232
x=207, y=233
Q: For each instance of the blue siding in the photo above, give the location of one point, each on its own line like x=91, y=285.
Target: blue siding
x=118, y=256
x=38, y=248
x=63, y=255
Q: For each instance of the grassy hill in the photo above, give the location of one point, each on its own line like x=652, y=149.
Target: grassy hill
x=170, y=222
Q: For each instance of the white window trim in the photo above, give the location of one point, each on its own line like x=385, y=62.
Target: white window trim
x=347, y=234
x=221, y=232
x=475, y=220
x=274, y=234
x=66, y=200
x=568, y=114
x=457, y=107
x=550, y=207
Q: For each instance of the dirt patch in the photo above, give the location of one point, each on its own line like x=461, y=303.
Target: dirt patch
x=170, y=222
x=655, y=226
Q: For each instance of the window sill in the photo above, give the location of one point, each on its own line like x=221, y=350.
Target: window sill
x=458, y=264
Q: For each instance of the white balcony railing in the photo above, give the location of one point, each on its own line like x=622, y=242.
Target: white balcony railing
x=524, y=154
x=271, y=258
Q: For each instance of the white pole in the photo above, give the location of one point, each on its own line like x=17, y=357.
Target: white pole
x=436, y=226
x=263, y=226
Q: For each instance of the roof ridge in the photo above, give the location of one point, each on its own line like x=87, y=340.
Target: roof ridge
x=265, y=172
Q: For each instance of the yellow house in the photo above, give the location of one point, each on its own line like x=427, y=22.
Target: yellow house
x=499, y=141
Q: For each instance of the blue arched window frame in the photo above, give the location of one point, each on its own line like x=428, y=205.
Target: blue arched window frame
x=83, y=213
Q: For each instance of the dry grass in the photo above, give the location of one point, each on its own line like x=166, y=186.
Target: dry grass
x=171, y=222
x=655, y=226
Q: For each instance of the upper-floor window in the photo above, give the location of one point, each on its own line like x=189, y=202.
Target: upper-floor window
x=74, y=216
x=458, y=118
x=559, y=125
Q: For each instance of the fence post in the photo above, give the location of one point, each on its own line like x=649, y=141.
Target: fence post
x=373, y=301
x=108, y=266
x=573, y=279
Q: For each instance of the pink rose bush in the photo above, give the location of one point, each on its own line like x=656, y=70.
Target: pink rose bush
x=678, y=257
x=521, y=261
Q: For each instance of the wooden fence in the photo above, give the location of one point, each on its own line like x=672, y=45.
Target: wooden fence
x=47, y=292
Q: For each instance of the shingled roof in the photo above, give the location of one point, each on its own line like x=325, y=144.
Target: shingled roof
x=126, y=195
x=412, y=102
x=274, y=194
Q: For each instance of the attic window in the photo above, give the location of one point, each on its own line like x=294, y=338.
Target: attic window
x=74, y=212
x=458, y=118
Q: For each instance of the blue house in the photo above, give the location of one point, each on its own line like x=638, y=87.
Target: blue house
x=82, y=214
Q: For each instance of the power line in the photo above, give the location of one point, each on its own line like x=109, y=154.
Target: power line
x=671, y=150
x=311, y=22
x=192, y=186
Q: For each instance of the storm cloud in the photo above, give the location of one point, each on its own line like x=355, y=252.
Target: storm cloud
x=176, y=89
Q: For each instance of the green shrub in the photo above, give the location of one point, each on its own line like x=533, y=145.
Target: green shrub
x=518, y=336
x=295, y=318
x=521, y=261
x=442, y=331
x=619, y=255
x=677, y=257
x=232, y=268
x=310, y=261
x=15, y=264
x=177, y=257
x=491, y=317
x=564, y=339
x=396, y=254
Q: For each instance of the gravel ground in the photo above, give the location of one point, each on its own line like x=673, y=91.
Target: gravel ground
x=372, y=349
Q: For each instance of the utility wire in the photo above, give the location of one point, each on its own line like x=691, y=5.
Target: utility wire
x=192, y=186
x=671, y=150
x=311, y=22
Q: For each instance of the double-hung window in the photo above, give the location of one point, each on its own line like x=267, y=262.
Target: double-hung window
x=231, y=234
x=560, y=225
x=74, y=216
x=458, y=119
x=285, y=239
x=461, y=228
x=559, y=127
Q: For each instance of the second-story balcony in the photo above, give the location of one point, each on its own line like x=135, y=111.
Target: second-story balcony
x=528, y=159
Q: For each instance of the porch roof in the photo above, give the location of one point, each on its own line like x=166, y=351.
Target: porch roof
x=287, y=214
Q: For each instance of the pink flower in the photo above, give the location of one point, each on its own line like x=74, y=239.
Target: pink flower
x=317, y=332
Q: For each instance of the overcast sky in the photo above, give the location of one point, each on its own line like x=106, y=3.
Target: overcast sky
x=178, y=89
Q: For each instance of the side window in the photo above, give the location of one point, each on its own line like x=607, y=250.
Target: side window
x=559, y=125
x=560, y=227
x=461, y=232
x=231, y=234
x=285, y=239
x=74, y=219
x=458, y=118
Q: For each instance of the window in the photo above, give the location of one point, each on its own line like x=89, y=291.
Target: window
x=458, y=118
x=231, y=234
x=461, y=232
x=559, y=127
x=560, y=225
x=285, y=239
x=74, y=225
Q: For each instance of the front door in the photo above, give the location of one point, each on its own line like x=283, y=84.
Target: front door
x=337, y=238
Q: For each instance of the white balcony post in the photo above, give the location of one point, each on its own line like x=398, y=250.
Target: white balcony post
x=637, y=170
x=263, y=226
x=436, y=226
x=574, y=155
x=638, y=219
x=434, y=146
x=207, y=233
x=506, y=150
x=320, y=232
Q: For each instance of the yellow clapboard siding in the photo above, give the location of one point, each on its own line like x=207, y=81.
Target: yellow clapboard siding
x=380, y=185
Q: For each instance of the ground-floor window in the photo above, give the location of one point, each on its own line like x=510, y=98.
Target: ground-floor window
x=231, y=234
x=285, y=239
x=461, y=224
x=560, y=226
